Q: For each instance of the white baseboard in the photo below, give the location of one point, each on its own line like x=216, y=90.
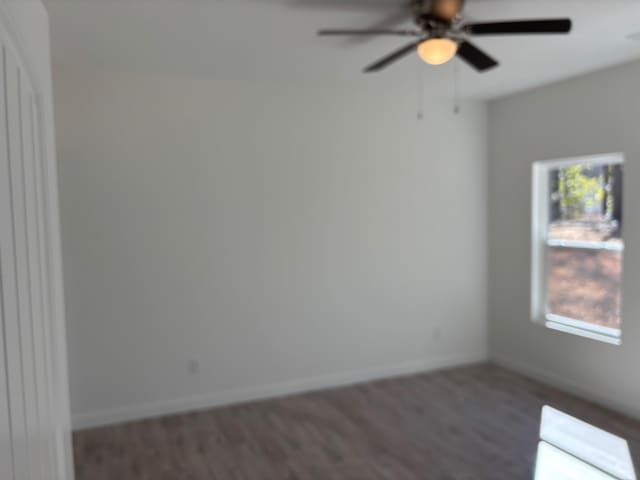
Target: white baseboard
x=565, y=384
x=261, y=392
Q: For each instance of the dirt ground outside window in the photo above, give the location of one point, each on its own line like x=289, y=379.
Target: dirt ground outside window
x=585, y=285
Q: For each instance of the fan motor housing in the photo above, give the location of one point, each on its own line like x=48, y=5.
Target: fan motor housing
x=425, y=12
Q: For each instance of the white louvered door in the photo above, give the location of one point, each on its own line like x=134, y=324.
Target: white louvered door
x=30, y=437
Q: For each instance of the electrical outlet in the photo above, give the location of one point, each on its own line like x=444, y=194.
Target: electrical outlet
x=436, y=333
x=193, y=367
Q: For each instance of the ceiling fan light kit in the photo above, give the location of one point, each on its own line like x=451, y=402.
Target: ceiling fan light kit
x=442, y=34
x=436, y=51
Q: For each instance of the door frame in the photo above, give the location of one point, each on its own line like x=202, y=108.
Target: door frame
x=15, y=40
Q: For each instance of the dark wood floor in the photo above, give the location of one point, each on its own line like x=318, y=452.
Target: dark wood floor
x=472, y=423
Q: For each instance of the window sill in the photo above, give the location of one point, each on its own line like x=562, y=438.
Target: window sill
x=609, y=246
x=583, y=329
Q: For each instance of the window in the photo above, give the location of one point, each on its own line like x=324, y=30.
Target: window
x=577, y=246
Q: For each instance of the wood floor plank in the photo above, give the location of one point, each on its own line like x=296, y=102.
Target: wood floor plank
x=471, y=423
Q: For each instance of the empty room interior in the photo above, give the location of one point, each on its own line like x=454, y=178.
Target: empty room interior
x=319, y=239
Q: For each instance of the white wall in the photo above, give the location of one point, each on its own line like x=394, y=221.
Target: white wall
x=284, y=237
x=597, y=113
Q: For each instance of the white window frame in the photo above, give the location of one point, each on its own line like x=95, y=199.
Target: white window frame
x=539, y=243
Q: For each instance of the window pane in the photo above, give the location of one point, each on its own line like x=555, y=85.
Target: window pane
x=585, y=284
x=586, y=203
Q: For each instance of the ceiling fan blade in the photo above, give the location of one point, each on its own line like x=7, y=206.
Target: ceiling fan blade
x=392, y=57
x=446, y=9
x=393, y=20
x=395, y=17
x=475, y=57
x=520, y=27
x=402, y=33
x=354, y=5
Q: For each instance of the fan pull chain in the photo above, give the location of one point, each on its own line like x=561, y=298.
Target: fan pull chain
x=420, y=77
x=456, y=88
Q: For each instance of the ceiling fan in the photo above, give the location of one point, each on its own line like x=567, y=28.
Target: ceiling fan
x=443, y=34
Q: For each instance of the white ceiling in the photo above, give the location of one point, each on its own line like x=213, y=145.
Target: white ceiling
x=275, y=39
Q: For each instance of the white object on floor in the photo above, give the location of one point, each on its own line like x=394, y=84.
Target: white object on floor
x=594, y=446
x=554, y=464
